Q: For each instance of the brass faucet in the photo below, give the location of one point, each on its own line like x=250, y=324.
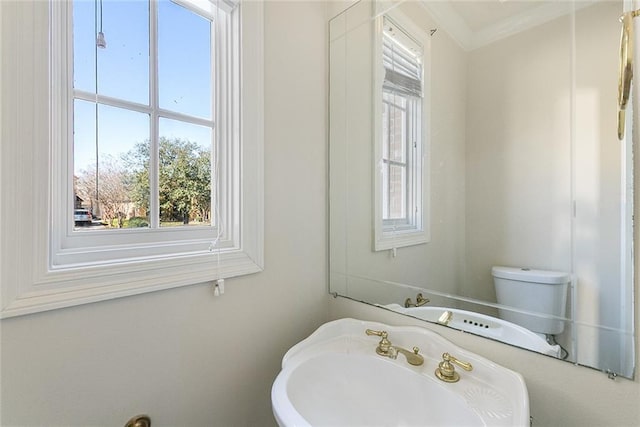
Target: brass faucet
x=420, y=301
x=386, y=349
x=447, y=372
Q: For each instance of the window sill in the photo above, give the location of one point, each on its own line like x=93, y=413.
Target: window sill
x=391, y=240
x=126, y=280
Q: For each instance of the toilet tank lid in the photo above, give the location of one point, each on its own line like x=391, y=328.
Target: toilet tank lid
x=530, y=275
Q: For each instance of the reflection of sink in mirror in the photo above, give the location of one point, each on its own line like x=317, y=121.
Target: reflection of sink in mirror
x=483, y=325
x=336, y=378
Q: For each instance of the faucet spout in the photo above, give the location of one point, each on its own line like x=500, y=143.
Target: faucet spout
x=445, y=318
x=386, y=349
x=413, y=358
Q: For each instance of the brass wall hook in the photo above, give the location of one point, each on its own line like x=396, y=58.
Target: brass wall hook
x=139, y=421
x=633, y=14
x=626, y=68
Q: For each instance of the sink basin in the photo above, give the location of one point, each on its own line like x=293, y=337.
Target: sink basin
x=483, y=325
x=335, y=378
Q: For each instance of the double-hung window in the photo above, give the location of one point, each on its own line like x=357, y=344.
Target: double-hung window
x=401, y=184
x=143, y=113
x=149, y=172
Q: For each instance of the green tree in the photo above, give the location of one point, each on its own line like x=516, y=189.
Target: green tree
x=137, y=180
x=184, y=179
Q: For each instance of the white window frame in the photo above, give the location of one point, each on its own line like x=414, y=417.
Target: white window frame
x=415, y=230
x=70, y=247
x=44, y=265
x=412, y=219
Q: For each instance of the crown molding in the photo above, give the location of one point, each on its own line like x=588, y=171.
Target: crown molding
x=458, y=30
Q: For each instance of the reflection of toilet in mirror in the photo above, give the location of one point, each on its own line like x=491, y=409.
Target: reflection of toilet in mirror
x=539, y=292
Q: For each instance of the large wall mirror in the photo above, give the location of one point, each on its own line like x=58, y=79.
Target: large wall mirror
x=476, y=176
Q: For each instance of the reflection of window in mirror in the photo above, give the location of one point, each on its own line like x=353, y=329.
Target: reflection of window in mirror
x=401, y=184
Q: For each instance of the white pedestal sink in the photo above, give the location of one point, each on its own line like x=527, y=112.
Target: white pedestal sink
x=335, y=378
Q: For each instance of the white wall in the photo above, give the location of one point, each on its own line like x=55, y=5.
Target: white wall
x=183, y=356
x=519, y=167
x=518, y=155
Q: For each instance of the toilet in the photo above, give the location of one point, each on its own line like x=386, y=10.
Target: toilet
x=535, y=291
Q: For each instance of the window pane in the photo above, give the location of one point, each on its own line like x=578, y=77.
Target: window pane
x=111, y=162
x=84, y=46
x=394, y=191
x=385, y=130
x=397, y=128
x=84, y=135
x=123, y=66
x=385, y=190
x=184, y=60
x=397, y=192
x=185, y=174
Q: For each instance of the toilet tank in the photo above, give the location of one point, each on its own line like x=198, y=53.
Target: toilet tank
x=542, y=293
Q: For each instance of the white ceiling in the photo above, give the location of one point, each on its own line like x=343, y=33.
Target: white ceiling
x=477, y=23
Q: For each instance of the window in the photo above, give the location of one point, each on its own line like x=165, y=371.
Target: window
x=401, y=183
x=132, y=152
x=143, y=113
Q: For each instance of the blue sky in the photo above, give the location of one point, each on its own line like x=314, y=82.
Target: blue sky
x=123, y=72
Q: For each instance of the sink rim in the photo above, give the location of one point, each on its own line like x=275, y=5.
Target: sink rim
x=343, y=336
x=526, y=338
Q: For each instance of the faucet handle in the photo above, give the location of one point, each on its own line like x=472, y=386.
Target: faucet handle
x=421, y=300
x=385, y=347
x=382, y=334
x=446, y=371
x=464, y=365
